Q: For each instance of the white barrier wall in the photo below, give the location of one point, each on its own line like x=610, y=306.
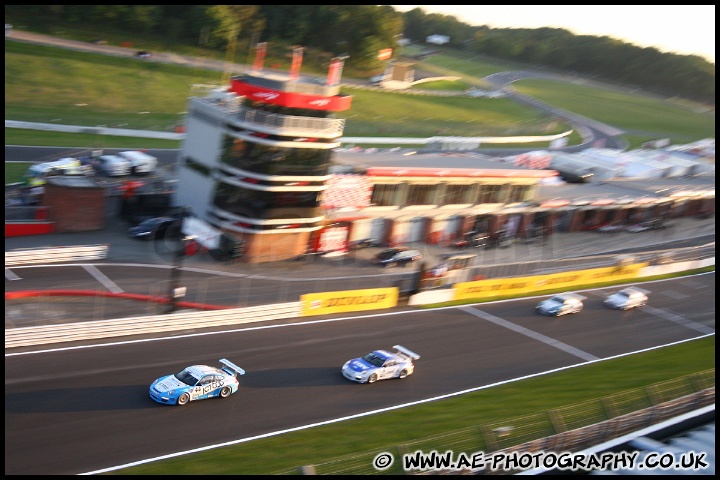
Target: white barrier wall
x=676, y=267
x=68, y=332
x=55, y=254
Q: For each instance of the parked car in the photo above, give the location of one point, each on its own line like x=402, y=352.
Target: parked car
x=561, y=304
x=627, y=298
x=380, y=365
x=397, y=256
x=473, y=240
x=151, y=228
x=112, y=165
x=653, y=224
x=197, y=382
x=612, y=228
x=141, y=163
x=143, y=54
x=360, y=244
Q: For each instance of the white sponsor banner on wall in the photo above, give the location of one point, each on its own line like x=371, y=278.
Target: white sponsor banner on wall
x=203, y=233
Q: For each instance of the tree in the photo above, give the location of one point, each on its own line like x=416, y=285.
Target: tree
x=229, y=22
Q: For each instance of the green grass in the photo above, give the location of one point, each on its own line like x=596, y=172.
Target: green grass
x=92, y=90
x=638, y=115
x=385, y=431
x=14, y=171
x=442, y=85
x=40, y=138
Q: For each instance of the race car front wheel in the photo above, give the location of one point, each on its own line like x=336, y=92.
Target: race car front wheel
x=183, y=399
x=403, y=374
x=372, y=379
x=225, y=392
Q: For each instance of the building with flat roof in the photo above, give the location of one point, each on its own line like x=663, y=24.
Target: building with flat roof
x=257, y=155
x=258, y=163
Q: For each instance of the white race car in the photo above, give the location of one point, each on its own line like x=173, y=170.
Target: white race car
x=627, y=298
x=380, y=365
x=197, y=382
x=561, y=304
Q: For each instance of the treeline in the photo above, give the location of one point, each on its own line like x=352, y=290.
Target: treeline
x=360, y=31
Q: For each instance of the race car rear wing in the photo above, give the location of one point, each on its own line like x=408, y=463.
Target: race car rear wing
x=637, y=289
x=232, y=369
x=405, y=352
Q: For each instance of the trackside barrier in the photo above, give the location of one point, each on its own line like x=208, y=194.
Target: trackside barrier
x=676, y=267
x=56, y=254
x=348, y=301
x=69, y=332
x=537, y=283
x=518, y=284
x=28, y=336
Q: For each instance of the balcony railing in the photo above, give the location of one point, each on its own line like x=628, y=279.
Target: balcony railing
x=290, y=125
x=272, y=123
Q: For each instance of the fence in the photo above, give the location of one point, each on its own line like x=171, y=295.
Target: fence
x=568, y=429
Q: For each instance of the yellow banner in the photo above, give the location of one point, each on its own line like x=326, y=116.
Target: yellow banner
x=348, y=301
x=510, y=286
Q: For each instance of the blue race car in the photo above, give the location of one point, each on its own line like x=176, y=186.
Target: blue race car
x=197, y=382
x=380, y=364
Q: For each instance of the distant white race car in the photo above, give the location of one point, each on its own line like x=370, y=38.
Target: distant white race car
x=627, y=298
x=380, y=365
x=561, y=304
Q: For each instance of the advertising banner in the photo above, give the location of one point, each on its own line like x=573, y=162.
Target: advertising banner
x=336, y=103
x=334, y=72
x=348, y=301
x=347, y=190
x=203, y=233
x=535, y=284
x=334, y=239
x=297, y=57
x=385, y=54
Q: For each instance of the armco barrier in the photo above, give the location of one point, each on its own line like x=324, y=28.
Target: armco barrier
x=56, y=254
x=68, y=332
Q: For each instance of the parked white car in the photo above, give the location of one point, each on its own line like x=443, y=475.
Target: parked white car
x=113, y=165
x=141, y=163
